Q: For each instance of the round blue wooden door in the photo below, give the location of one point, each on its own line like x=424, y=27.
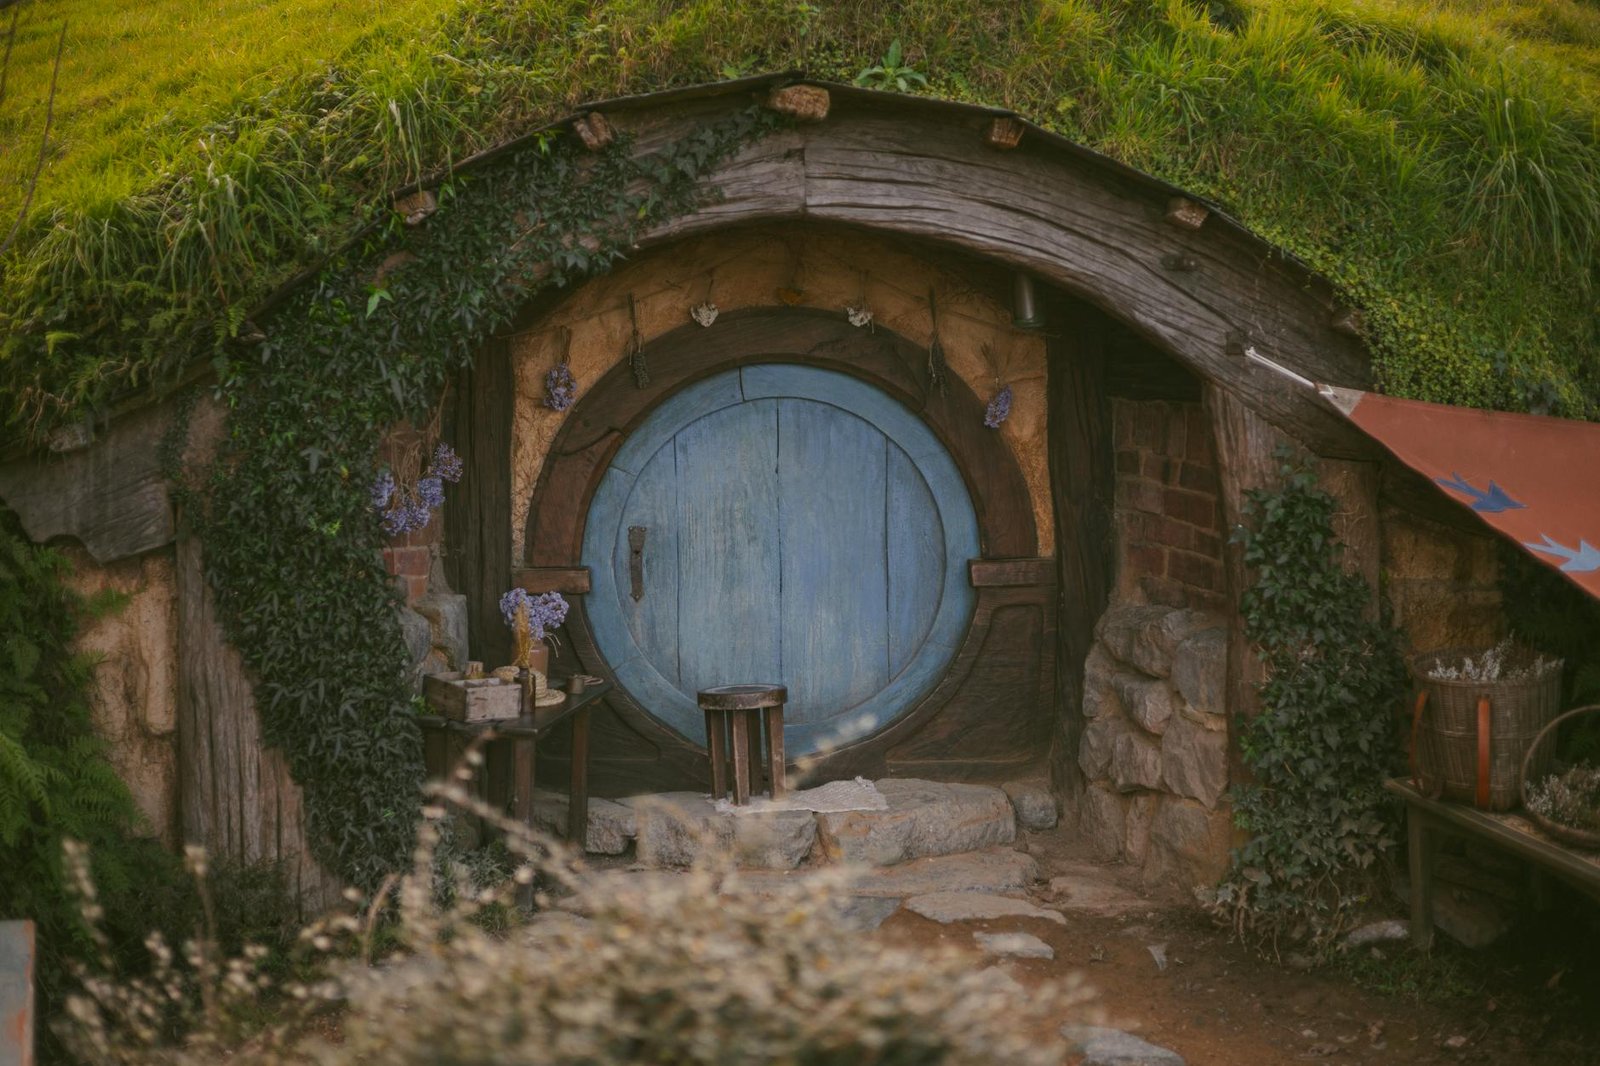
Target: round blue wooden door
x=781, y=523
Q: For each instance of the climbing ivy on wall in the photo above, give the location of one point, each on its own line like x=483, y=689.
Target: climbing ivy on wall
x=292, y=541
x=1321, y=746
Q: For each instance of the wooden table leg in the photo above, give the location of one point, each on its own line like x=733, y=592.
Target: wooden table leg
x=741, y=759
x=578, y=800
x=522, y=804
x=717, y=749
x=1419, y=845
x=775, y=759
x=758, y=766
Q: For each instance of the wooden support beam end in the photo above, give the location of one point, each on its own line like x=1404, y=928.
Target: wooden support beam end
x=415, y=207
x=1004, y=133
x=1185, y=213
x=594, y=131
x=807, y=103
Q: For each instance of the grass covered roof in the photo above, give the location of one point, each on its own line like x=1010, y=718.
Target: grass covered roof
x=1439, y=161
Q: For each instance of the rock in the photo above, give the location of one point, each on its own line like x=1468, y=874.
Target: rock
x=674, y=828
x=1100, y=821
x=1148, y=701
x=866, y=913
x=1119, y=628
x=1136, y=827
x=1378, y=933
x=1135, y=763
x=997, y=870
x=1098, y=740
x=1014, y=945
x=418, y=637
x=947, y=907
x=1090, y=890
x=1200, y=670
x=999, y=981
x=612, y=826
x=1098, y=695
x=1194, y=761
x=1155, y=642
x=446, y=613
x=1101, y=1046
x=924, y=818
x=1472, y=919
x=1032, y=802
x=1189, y=844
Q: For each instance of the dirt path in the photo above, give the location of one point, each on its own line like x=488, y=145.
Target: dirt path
x=1217, y=1004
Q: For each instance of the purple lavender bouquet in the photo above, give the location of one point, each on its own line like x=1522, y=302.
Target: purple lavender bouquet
x=546, y=611
x=407, y=508
x=560, y=388
x=999, y=408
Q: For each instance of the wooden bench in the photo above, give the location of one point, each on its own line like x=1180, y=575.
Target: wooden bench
x=1427, y=819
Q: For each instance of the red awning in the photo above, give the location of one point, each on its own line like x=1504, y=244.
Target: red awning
x=1528, y=476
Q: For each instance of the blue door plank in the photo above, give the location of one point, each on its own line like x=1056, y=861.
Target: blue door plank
x=653, y=505
x=915, y=559
x=728, y=566
x=835, y=590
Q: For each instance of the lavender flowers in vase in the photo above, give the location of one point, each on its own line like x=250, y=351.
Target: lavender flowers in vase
x=533, y=620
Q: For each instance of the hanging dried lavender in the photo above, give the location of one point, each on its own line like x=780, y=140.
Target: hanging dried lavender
x=641, y=372
x=999, y=408
x=560, y=388
x=936, y=367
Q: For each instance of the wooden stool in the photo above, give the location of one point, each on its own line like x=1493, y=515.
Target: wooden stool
x=729, y=708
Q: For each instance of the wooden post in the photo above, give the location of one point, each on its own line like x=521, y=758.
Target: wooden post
x=477, y=525
x=1081, y=489
x=17, y=963
x=578, y=797
x=1419, y=848
x=1246, y=459
x=1354, y=484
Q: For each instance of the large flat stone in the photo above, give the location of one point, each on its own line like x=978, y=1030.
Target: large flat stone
x=1135, y=762
x=1200, y=670
x=998, y=870
x=1101, y=1046
x=612, y=826
x=1087, y=889
x=947, y=907
x=676, y=828
x=1014, y=946
x=924, y=818
x=1033, y=803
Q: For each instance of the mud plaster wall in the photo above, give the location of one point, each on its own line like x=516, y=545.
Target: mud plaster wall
x=827, y=269
x=1442, y=583
x=134, y=700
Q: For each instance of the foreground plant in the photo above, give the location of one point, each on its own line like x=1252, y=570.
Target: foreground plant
x=699, y=968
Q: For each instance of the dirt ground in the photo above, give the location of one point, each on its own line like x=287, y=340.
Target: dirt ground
x=1534, y=998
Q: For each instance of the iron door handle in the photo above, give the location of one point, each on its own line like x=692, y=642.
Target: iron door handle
x=636, y=536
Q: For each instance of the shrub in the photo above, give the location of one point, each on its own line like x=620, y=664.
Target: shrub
x=1322, y=744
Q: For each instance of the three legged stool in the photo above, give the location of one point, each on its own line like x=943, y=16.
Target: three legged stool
x=729, y=709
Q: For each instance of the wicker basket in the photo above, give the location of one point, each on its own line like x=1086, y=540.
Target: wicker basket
x=1537, y=763
x=1468, y=738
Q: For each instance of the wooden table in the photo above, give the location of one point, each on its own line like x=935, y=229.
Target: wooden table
x=1427, y=819
x=524, y=735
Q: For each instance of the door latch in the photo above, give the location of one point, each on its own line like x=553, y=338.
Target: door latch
x=636, y=560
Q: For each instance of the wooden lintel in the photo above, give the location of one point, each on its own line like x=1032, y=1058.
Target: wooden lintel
x=1011, y=573
x=1185, y=213
x=1004, y=133
x=593, y=130
x=808, y=103
x=568, y=580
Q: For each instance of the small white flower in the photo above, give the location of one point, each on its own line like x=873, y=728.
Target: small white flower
x=859, y=317
x=705, y=313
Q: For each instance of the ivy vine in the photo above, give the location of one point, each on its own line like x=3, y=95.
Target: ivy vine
x=292, y=542
x=1322, y=744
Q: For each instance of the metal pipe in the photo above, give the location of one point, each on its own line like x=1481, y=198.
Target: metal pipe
x=1024, y=302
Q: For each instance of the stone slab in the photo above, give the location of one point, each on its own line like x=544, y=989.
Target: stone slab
x=866, y=913
x=1101, y=1046
x=947, y=907
x=1032, y=802
x=1014, y=945
x=924, y=818
x=612, y=825
x=1087, y=889
x=1000, y=871
x=678, y=828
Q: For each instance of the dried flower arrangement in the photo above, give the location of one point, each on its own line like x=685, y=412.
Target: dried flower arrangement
x=999, y=408
x=1506, y=661
x=560, y=388
x=540, y=614
x=1570, y=798
x=407, y=504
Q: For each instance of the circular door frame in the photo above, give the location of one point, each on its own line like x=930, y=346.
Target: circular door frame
x=640, y=676
x=608, y=412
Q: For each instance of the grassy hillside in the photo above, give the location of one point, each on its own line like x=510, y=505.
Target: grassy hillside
x=1440, y=161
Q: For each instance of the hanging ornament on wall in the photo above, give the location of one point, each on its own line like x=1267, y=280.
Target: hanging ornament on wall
x=705, y=312
x=999, y=408
x=860, y=315
x=936, y=365
x=635, y=351
x=560, y=387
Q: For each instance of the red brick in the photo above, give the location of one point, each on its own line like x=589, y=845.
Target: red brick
x=1148, y=425
x=409, y=562
x=416, y=588
x=1128, y=462
x=1123, y=422
x=1206, y=544
x=1145, y=559
x=1136, y=495
x=1199, y=445
x=1199, y=478
x=1165, y=592
x=1177, y=417
x=1190, y=507
x=1158, y=467
x=1195, y=570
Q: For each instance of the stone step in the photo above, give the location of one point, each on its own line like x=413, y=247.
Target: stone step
x=947, y=907
x=675, y=827
x=924, y=818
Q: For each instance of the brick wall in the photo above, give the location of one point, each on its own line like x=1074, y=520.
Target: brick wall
x=409, y=557
x=1167, y=521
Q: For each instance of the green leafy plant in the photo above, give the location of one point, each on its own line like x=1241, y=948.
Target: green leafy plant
x=285, y=510
x=1321, y=745
x=891, y=72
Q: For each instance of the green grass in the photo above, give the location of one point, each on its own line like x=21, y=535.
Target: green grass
x=1439, y=161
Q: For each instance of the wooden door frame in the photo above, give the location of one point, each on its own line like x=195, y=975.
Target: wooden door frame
x=597, y=425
